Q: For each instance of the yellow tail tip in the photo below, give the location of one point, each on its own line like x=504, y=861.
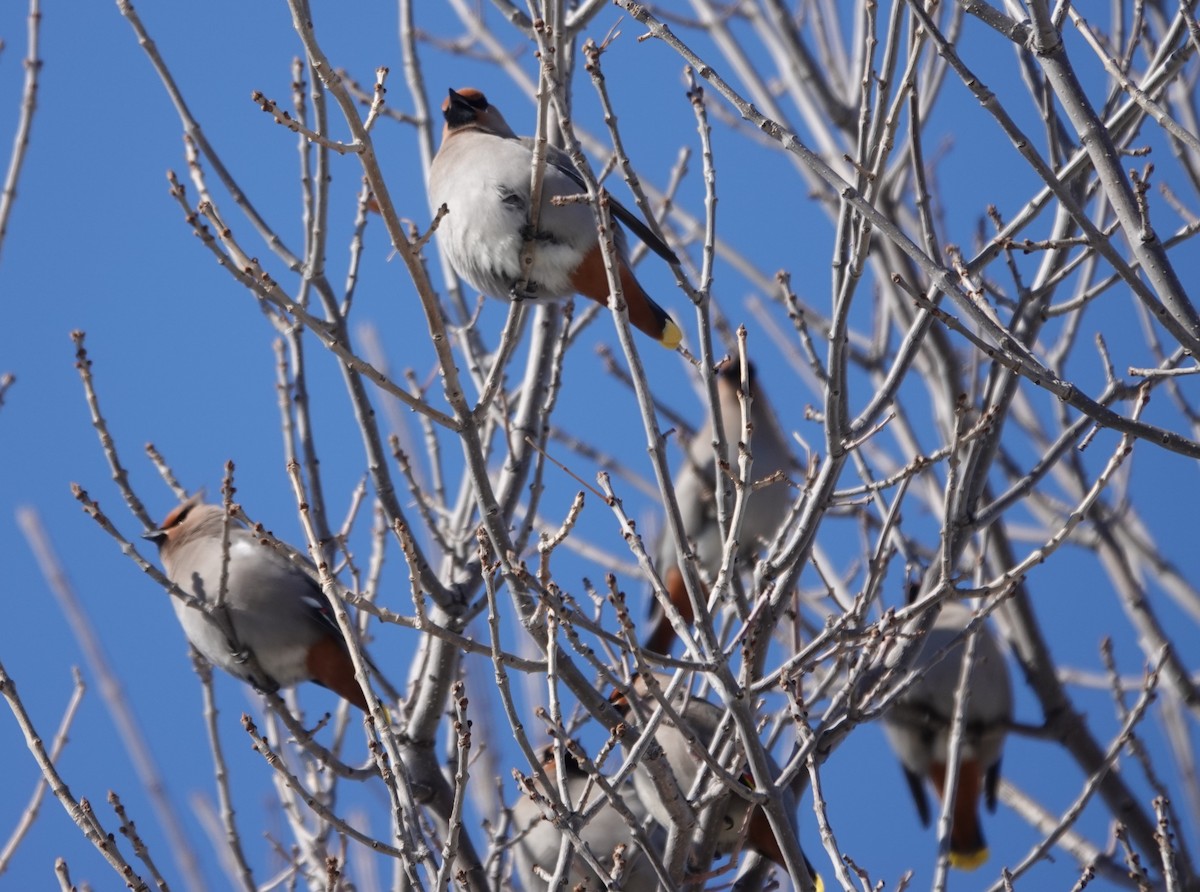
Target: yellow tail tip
x=671, y=336
x=818, y=883
x=969, y=860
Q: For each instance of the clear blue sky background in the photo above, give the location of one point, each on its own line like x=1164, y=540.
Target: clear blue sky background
x=183, y=359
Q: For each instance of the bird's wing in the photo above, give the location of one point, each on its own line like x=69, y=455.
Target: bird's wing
x=990, y=784
x=916, y=785
x=562, y=161
x=315, y=605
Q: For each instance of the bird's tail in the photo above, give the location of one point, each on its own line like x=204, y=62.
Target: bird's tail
x=645, y=315
x=662, y=633
x=768, y=846
x=968, y=850
x=590, y=280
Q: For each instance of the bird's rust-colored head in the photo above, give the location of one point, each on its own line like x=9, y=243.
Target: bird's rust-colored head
x=174, y=520
x=468, y=109
x=190, y=520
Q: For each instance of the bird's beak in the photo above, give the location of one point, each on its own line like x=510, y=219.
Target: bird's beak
x=155, y=536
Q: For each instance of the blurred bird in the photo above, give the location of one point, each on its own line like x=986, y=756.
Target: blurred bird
x=702, y=719
x=918, y=728
x=482, y=174
x=276, y=610
x=696, y=493
x=537, y=841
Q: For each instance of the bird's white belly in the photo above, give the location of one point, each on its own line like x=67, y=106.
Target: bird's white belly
x=485, y=249
x=487, y=216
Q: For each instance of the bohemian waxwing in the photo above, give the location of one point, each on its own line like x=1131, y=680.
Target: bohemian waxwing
x=276, y=610
x=482, y=174
x=696, y=493
x=536, y=841
x=918, y=728
x=702, y=719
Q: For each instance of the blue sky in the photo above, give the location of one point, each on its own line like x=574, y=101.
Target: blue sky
x=183, y=358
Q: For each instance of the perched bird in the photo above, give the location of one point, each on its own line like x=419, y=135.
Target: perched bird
x=482, y=175
x=918, y=728
x=696, y=493
x=702, y=719
x=537, y=841
x=276, y=610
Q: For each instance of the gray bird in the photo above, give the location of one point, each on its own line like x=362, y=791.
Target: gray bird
x=702, y=719
x=696, y=493
x=537, y=841
x=276, y=610
x=482, y=174
x=918, y=728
